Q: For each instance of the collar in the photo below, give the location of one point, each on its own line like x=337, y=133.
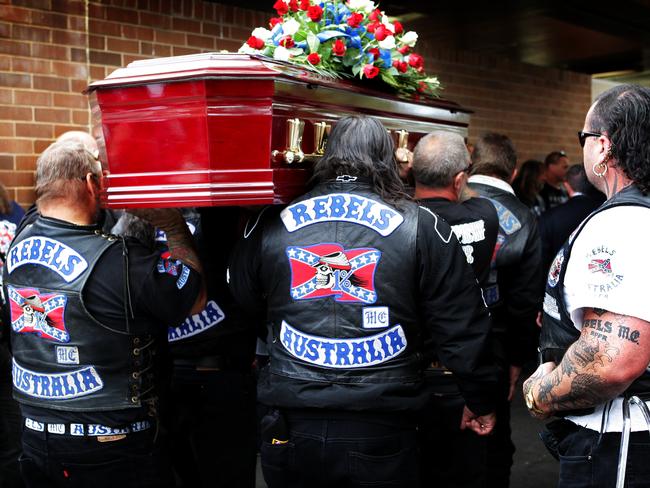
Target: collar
x=491, y=181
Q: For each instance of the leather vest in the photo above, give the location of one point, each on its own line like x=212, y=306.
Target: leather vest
x=64, y=358
x=558, y=331
x=339, y=265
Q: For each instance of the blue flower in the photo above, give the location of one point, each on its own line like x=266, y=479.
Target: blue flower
x=384, y=55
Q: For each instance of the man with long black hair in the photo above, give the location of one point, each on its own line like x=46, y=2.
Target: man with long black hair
x=354, y=279
x=595, y=341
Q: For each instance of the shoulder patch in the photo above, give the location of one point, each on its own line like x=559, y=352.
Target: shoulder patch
x=507, y=220
x=342, y=207
x=53, y=254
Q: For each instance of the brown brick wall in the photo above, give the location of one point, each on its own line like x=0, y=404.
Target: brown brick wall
x=51, y=49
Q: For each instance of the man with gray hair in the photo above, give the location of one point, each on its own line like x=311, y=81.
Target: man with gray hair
x=517, y=298
x=440, y=164
x=86, y=311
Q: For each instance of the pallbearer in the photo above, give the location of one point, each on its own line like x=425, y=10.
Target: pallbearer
x=87, y=314
x=354, y=279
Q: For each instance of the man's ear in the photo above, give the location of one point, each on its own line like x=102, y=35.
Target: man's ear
x=92, y=186
x=514, y=175
x=460, y=181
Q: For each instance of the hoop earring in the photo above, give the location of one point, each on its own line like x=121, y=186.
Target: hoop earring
x=603, y=172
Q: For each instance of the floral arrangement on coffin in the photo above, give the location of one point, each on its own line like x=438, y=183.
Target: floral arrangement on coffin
x=344, y=38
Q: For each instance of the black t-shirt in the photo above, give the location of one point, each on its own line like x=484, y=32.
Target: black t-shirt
x=553, y=196
x=476, y=225
x=156, y=295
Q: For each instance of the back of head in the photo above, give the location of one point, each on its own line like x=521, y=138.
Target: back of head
x=61, y=171
x=494, y=155
x=360, y=146
x=554, y=157
x=78, y=136
x=438, y=158
x=528, y=182
x=576, y=177
x=623, y=114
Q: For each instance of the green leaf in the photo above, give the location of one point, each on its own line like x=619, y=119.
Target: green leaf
x=325, y=52
x=356, y=69
x=351, y=57
x=390, y=79
x=392, y=71
x=313, y=42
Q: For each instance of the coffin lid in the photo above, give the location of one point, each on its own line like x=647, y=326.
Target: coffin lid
x=234, y=65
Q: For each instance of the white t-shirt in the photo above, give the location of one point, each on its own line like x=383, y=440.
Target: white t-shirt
x=609, y=268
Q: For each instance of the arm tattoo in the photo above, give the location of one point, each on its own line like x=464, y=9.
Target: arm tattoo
x=581, y=366
x=181, y=247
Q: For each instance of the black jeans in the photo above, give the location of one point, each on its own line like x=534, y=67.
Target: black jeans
x=58, y=461
x=588, y=460
x=450, y=457
x=10, y=426
x=342, y=450
x=500, y=447
x=213, y=428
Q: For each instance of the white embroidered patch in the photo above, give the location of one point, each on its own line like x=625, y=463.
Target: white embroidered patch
x=342, y=207
x=375, y=317
x=43, y=251
x=67, y=355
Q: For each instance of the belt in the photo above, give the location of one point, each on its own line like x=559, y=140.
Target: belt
x=90, y=430
x=212, y=363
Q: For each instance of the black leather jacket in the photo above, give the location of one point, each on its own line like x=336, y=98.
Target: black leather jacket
x=519, y=275
x=354, y=289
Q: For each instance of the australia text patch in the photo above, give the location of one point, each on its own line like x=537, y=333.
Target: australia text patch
x=56, y=386
x=344, y=353
x=210, y=316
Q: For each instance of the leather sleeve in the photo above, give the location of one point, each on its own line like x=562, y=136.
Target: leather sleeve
x=453, y=312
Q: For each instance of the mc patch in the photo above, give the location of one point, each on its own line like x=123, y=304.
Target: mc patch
x=329, y=270
x=36, y=313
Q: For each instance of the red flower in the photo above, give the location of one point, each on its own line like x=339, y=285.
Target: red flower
x=375, y=15
x=404, y=49
x=373, y=26
x=355, y=19
x=293, y=5
x=398, y=27
x=338, y=48
x=315, y=13
x=416, y=61
x=255, y=42
x=382, y=32
x=304, y=4
x=374, y=51
x=401, y=66
x=370, y=70
x=313, y=58
x=280, y=7
x=422, y=87
x=287, y=41
x=273, y=21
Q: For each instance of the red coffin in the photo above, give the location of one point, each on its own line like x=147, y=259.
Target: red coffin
x=201, y=130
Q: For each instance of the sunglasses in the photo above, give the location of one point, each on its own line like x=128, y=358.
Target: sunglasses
x=582, y=136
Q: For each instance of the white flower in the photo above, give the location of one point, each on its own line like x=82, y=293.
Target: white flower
x=262, y=33
x=386, y=22
x=290, y=27
x=388, y=43
x=246, y=49
x=410, y=38
x=365, y=5
x=281, y=54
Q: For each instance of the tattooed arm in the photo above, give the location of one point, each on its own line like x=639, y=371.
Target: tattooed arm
x=611, y=352
x=179, y=242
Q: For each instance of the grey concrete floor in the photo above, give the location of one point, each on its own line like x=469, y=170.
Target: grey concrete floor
x=533, y=466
